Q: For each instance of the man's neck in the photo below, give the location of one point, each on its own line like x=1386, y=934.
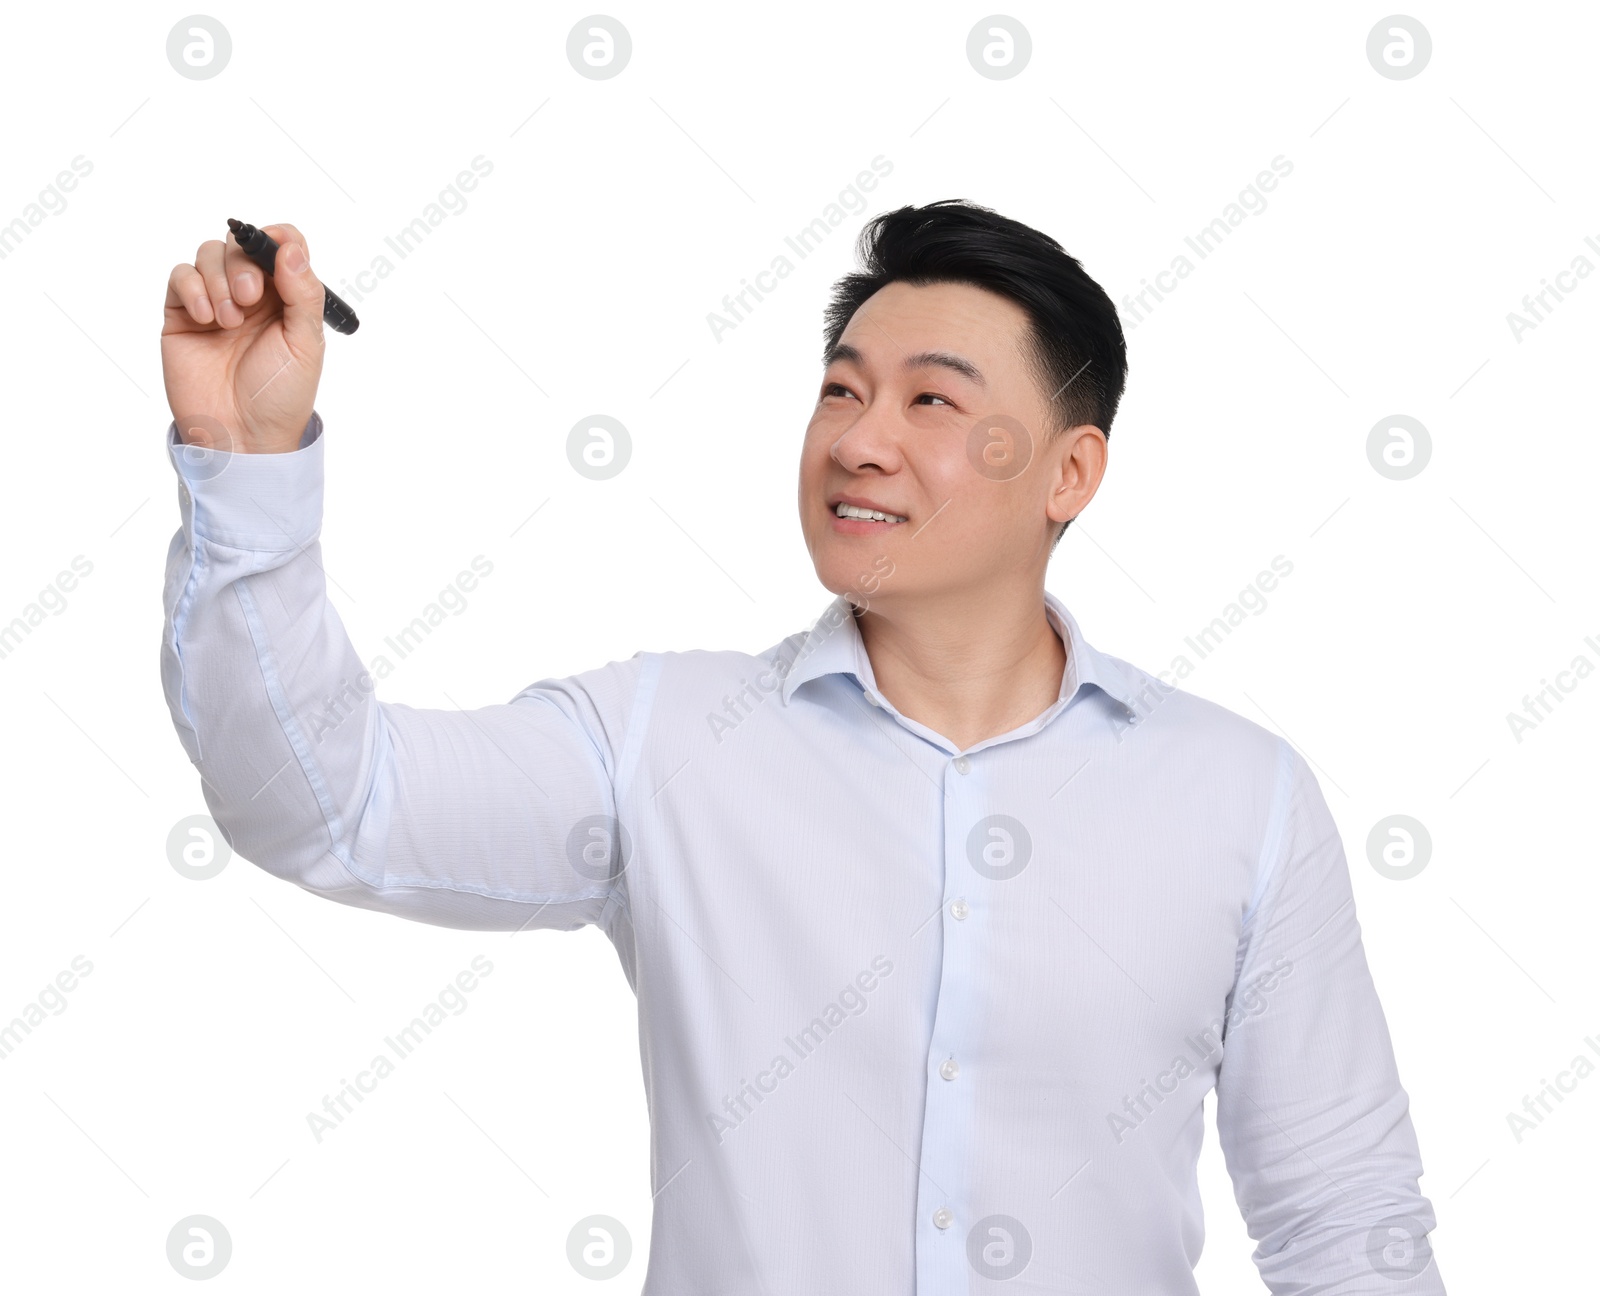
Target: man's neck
x=967, y=670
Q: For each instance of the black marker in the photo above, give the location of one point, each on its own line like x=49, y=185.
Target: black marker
x=260, y=248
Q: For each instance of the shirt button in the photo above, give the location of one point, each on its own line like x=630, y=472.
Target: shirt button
x=872, y=700
x=943, y=1217
x=962, y=764
x=959, y=908
x=948, y=1069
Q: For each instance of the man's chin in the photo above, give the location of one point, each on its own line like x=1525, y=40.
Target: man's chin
x=867, y=582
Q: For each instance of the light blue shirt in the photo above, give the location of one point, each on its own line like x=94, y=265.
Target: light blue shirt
x=913, y=1019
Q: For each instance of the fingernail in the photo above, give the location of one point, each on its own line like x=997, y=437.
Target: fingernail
x=241, y=283
x=294, y=258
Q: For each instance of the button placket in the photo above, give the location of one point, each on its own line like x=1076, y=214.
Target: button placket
x=946, y=1157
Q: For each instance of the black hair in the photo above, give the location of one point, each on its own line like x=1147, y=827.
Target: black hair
x=1075, y=348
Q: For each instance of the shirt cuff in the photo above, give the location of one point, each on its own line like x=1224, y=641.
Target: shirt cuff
x=269, y=503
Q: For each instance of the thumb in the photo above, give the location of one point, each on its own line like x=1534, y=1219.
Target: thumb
x=302, y=294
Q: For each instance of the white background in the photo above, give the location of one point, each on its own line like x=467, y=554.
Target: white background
x=578, y=280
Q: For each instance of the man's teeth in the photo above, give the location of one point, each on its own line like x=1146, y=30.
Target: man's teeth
x=870, y=515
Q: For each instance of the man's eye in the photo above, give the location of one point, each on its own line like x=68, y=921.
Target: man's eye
x=840, y=388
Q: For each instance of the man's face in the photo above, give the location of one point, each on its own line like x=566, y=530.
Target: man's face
x=961, y=456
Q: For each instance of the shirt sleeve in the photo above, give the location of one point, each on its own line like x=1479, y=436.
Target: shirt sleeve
x=1313, y=1123
x=497, y=818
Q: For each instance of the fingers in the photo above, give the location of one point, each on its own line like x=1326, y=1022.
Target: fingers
x=245, y=279
x=187, y=290
x=300, y=289
x=223, y=279
x=281, y=234
x=209, y=261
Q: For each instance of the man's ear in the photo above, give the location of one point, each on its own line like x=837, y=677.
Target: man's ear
x=1076, y=463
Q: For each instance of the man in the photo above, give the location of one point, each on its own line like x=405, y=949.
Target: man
x=942, y=922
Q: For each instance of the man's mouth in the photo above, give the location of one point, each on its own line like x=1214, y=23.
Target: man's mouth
x=864, y=514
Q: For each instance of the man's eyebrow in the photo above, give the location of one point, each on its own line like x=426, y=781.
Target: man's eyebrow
x=921, y=360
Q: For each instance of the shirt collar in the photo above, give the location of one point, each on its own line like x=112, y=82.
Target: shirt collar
x=833, y=646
